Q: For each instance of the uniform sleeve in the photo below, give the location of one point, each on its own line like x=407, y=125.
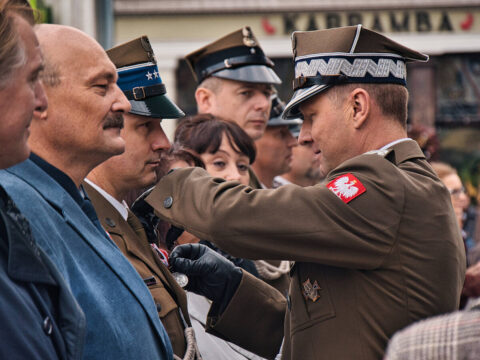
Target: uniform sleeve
x=253, y=319
x=309, y=224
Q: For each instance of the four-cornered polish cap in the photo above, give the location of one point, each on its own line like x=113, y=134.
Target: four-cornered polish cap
x=236, y=56
x=276, y=115
x=140, y=81
x=351, y=54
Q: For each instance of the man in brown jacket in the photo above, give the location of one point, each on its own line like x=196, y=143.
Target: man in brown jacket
x=376, y=245
x=109, y=184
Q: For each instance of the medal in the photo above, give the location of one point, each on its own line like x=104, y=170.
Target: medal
x=180, y=278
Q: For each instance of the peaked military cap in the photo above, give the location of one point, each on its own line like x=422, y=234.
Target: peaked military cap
x=140, y=81
x=236, y=56
x=278, y=106
x=351, y=54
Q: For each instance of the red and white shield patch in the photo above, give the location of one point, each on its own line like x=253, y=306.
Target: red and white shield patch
x=347, y=187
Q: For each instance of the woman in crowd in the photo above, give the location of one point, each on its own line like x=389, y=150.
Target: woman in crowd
x=225, y=151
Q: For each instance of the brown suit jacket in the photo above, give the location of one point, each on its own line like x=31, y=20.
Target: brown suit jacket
x=363, y=270
x=167, y=294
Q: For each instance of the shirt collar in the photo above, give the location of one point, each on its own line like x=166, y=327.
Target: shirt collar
x=60, y=177
x=280, y=181
x=389, y=145
x=121, y=207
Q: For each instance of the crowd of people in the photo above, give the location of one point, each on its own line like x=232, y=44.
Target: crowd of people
x=311, y=229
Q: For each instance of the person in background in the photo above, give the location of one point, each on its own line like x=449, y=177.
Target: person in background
x=40, y=317
x=460, y=201
x=274, y=157
x=275, y=147
x=305, y=169
x=446, y=337
x=79, y=130
x=226, y=152
x=454, y=185
x=235, y=80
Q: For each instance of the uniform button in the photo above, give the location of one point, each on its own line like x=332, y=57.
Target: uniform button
x=47, y=326
x=110, y=222
x=159, y=307
x=167, y=203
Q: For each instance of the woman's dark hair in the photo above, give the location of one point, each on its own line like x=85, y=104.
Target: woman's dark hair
x=203, y=133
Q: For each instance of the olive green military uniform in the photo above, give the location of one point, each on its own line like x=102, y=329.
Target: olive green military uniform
x=365, y=268
x=130, y=237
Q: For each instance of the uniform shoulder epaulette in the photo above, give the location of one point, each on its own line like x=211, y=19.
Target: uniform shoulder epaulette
x=382, y=153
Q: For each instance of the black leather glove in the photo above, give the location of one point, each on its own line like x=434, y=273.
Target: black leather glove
x=209, y=274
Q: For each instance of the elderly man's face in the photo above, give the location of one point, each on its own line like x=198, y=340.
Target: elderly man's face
x=247, y=104
x=86, y=107
x=23, y=94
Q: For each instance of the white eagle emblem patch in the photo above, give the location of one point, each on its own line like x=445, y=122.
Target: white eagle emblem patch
x=347, y=187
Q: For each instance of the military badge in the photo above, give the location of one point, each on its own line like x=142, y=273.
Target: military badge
x=248, y=39
x=310, y=291
x=347, y=187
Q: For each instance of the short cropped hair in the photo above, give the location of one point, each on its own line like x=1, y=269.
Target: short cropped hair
x=392, y=99
x=203, y=133
x=12, y=53
x=211, y=83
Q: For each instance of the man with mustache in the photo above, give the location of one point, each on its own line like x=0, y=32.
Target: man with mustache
x=80, y=130
x=111, y=182
x=40, y=317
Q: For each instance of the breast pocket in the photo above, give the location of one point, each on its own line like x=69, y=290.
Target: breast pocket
x=163, y=301
x=310, y=301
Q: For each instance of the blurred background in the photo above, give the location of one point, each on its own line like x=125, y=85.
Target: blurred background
x=444, y=106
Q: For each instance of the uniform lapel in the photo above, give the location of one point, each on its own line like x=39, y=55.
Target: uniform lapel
x=131, y=232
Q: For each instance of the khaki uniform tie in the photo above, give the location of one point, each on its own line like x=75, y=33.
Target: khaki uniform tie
x=192, y=352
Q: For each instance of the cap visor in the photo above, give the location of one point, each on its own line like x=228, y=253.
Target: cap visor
x=279, y=121
x=157, y=106
x=252, y=73
x=291, y=110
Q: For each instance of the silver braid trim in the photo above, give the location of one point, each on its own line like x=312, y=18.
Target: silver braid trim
x=270, y=272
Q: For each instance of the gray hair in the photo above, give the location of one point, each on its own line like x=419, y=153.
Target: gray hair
x=12, y=49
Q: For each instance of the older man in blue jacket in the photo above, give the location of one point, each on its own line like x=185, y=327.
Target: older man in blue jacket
x=81, y=129
x=40, y=318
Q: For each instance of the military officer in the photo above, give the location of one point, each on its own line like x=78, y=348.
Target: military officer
x=376, y=245
x=235, y=80
x=235, y=83
x=109, y=184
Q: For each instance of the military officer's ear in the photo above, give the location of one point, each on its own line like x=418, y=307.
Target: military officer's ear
x=205, y=99
x=359, y=103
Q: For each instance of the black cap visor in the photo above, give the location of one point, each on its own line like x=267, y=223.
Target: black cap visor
x=251, y=73
x=157, y=107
